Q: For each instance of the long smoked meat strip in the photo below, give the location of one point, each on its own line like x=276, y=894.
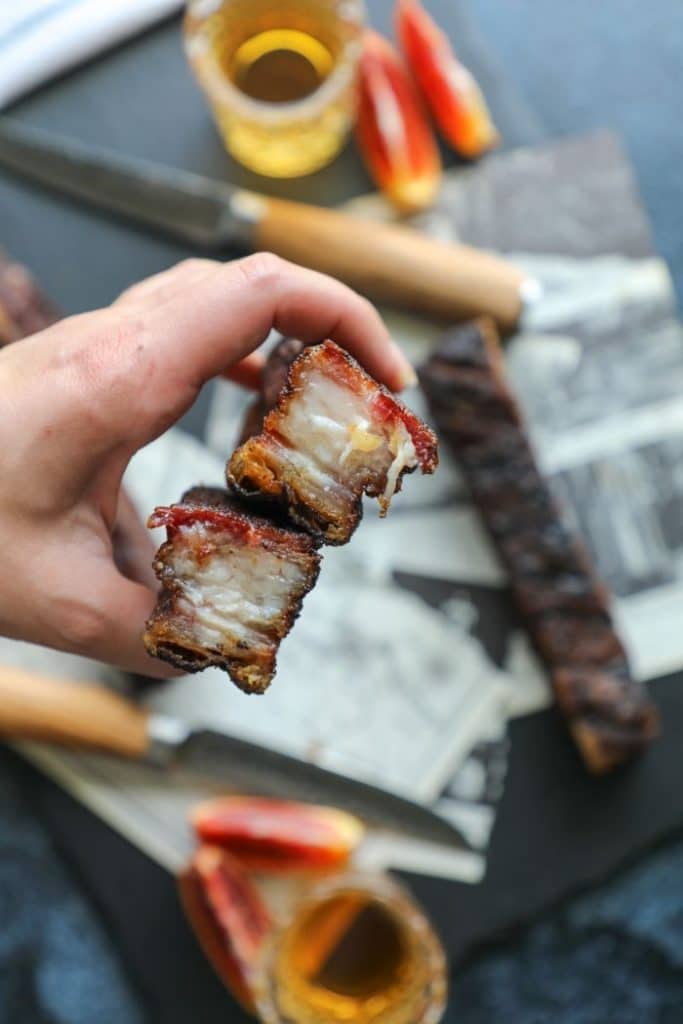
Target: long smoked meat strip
x=565, y=608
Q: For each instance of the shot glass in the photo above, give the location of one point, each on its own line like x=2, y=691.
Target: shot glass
x=356, y=950
x=279, y=76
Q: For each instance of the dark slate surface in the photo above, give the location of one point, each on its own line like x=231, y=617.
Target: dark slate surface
x=612, y=956
x=56, y=962
x=592, y=63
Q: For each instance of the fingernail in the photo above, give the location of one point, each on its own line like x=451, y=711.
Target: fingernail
x=408, y=378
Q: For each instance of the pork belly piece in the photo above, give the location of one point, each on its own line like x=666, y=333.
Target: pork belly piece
x=333, y=435
x=252, y=420
x=276, y=369
x=273, y=380
x=232, y=585
x=564, y=606
x=24, y=309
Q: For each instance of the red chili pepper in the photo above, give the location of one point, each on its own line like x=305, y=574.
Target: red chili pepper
x=393, y=132
x=449, y=89
x=277, y=835
x=228, y=916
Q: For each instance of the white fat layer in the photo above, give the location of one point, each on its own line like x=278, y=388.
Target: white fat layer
x=405, y=457
x=310, y=473
x=361, y=439
x=323, y=417
x=236, y=593
x=335, y=440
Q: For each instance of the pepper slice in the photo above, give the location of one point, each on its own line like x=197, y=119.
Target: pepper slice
x=228, y=917
x=449, y=89
x=277, y=835
x=392, y=130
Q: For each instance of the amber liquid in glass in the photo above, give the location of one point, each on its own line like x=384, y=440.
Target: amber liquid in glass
x=353, y=958
x=279, y=75
x=279, y=65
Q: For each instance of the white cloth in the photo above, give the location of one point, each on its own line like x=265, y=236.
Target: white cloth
x=42, y=38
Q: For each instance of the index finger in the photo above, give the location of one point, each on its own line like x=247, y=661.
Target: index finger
x=224, y=315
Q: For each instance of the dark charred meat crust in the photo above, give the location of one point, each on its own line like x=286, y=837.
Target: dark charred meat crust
x=276, y=369
x=270, y=466
x=252, y=421
x=273, y=380
x=565, y=608
x=212, y=541
x=609, y=713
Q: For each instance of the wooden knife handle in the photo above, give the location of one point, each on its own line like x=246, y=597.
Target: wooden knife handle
x=394, y=264
x=69, y=714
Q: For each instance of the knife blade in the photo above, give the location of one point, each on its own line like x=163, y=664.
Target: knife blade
x=389, y=262
x=187, y=206
x=405, y=834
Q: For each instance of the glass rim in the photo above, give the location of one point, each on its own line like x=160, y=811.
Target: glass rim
x=389, y=892
x=220, y=89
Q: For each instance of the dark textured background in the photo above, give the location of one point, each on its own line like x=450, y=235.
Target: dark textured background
x=613, y=955
x=586, y=64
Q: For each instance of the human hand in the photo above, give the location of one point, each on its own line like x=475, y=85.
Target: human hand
x=80, y=398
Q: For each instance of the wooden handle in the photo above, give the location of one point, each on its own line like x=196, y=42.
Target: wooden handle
x=394, y=264
x=70, y=714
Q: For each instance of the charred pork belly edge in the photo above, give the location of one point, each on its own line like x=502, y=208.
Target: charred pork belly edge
x=189, y=631
x=319, y=494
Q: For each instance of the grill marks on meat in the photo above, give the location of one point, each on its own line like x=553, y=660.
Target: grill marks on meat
x=333, y=435
x=24, y=309
x=566, y=609
x=232, y=586
x=608, y=715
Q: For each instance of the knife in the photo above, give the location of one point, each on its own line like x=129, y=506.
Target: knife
x=388, y=262
x=403, y=834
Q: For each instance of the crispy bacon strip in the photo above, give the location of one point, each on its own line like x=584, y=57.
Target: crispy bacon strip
x=24, y=309
x=232, y=586
x=566, y=609
x=333, y=435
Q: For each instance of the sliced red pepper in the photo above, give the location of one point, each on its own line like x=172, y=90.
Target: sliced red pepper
x=393, y=132
x=451, y=92
x=277, y=835
x=228, y=917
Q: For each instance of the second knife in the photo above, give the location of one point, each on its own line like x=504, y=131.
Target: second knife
x=402, y=834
